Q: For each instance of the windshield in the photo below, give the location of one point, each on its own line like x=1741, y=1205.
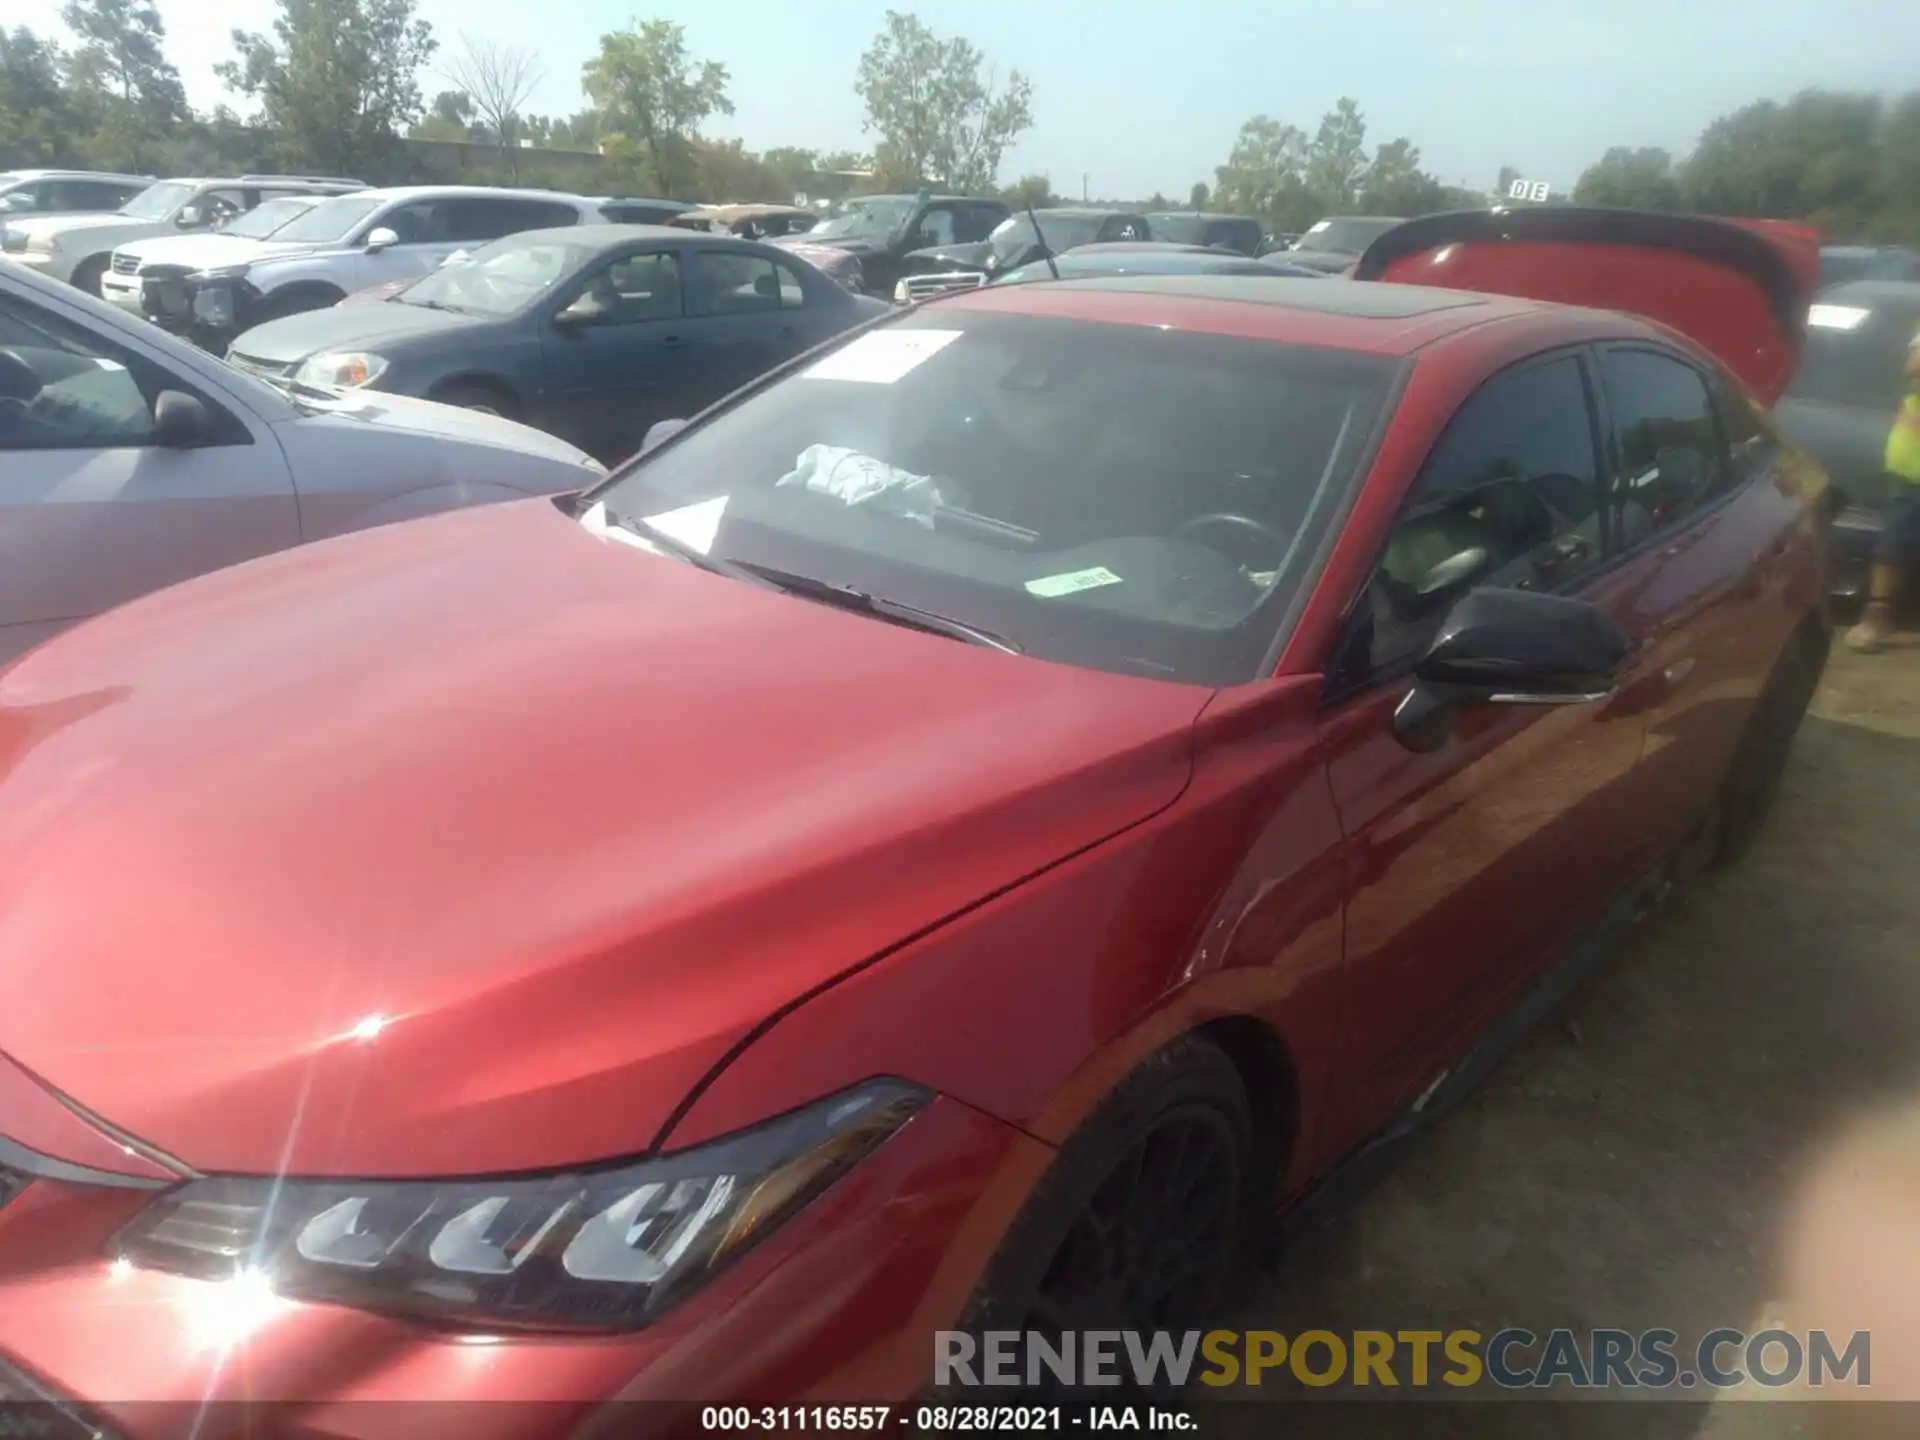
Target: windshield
x=1058, y=483
x=877, y=219
x=501, y=278
x=1351, y=235
x=1855, y=355
x=158, y=202
x=1181, y=229
x=16, y=199
x=265, y=218
x=1014, y=236
x=329, y=220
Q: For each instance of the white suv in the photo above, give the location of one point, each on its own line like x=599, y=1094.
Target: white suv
x=357, y=242
x=76, y=248
x=141, y=271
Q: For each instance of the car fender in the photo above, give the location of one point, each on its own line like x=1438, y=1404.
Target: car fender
x=272, y=276
x=1225, y=906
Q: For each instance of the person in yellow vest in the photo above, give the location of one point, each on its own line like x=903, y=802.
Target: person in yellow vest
x=1899, y=546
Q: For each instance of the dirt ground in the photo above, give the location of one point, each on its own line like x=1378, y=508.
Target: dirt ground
x=1631, y=1163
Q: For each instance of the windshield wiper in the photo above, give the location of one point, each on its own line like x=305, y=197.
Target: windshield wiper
x=430, y=304
x=845, y=597
x=693, y=555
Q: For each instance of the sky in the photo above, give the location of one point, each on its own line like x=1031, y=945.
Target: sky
x=1134, y=96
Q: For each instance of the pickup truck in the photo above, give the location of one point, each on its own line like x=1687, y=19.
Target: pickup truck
x=881, y=231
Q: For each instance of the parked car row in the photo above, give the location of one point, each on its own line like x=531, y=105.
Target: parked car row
x=958, y=837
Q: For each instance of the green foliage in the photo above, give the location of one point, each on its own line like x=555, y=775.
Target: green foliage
x=336, y=81
x=1199, y=197
x=652, y=97
x=1034, y=190
x=935, y=106
x=38, y=123
x=1642, y=179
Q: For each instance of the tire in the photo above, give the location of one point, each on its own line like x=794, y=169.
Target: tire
x=86, y=275
x=1162, y=1168
x=1753, y=782
x=483, y=399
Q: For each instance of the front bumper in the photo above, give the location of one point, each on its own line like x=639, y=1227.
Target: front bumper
x=838, y=1305
x=124, y=292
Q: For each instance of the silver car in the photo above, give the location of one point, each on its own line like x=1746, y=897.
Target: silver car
x=130, y=461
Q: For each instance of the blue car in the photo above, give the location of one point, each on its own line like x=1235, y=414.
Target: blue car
x=1122, y=258
x=592, y=332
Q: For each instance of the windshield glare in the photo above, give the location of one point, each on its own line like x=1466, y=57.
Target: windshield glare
x=1345, y=235
x=498, y=279
x=265, y=218
x=1864, y=365
x=158, y=202
x=1014, y=236
x=863, y=218
x=1042, y=479
x=329, y=220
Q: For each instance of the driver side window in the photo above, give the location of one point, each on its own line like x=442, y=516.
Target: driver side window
x=62, y=390
x=936, y=227
x=1509, y=496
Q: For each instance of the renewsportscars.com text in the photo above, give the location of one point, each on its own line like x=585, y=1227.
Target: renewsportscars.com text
x=1510, y=1359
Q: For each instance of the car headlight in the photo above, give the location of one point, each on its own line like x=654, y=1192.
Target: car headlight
x=596, y=1249
x=213, y=305
x=350, y=368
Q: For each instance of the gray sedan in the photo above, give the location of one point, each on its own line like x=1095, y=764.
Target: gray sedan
x=593, y=332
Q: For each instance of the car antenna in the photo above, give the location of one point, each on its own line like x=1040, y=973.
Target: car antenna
x=1046, y=250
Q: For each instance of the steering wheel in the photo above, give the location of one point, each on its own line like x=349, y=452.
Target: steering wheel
x=1242, y=525
x=18, y=379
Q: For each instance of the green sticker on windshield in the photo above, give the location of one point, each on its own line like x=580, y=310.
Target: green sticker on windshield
x=1051, y=587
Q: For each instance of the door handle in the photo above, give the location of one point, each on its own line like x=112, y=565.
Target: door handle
x=673, y=342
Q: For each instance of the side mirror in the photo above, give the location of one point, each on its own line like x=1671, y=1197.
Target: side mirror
x=660, y=432
x=190, y=217
x=1520, y=647
x=1510, y=647
x=379, y=238
x=180, y=422
x=584, y=311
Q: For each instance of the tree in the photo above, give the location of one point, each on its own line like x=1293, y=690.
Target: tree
x=1265, y=173
x=337, y=81
x=1199, y=197
x=1337, y=157
x=497, y=80
x=1642, y=179
x=449, y=117
x=1812, y=159
x=651, y=94
x=1394, y=183
x=121, y=73
x=792, y=167
x=1035, y=190
x=37, y=125
x=935, y=106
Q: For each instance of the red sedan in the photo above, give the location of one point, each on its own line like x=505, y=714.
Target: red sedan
x=964, y=832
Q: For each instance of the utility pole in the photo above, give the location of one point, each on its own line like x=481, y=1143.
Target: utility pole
x=1083, y=186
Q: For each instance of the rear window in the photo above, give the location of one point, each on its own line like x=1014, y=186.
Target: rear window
x=1123, y=498
x=1856, y=355
x=1350, y=235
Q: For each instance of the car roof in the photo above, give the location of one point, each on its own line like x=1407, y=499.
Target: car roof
x=482, y=192
x=610, y=235
x=70, y=175
x=1198, y=215
x=1870, y=293
x=1371, y=315
x=1088, y=211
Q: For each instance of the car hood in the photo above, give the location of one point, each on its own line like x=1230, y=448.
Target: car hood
x=69, y=224
x=471, y=845
x=1737, y=289
x=351, y=327
x=432, y=420
x=850, y=244
x=935, y=258
x=209, y=251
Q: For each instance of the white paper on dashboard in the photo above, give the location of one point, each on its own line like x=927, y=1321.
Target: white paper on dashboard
x=881, y=357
